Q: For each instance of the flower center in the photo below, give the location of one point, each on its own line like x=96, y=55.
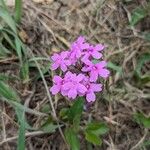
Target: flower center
x=87, y=86
x=94, y=68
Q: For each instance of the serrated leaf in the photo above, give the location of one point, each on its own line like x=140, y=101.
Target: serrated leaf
x=93, y=138
x=97, y=128
x=72, y=139
x=140, y=118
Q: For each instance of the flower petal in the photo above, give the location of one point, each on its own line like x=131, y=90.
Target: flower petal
x=57, y=79
x=80, y=77
x=55, y=89
x=99, y=47
x=64, y=54
x=97, y=55
x=55, y=57
x=90, y=97
x=93, y=76
x=72, y=93
x=54, y=66
x=81, y=88
x=67, y=86
x=63, y=67
x=96, y=87
x=104, y=73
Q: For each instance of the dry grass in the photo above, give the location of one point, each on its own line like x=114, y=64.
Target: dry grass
x=49, y=28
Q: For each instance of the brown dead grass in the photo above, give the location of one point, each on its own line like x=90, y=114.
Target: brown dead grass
x=49, y=28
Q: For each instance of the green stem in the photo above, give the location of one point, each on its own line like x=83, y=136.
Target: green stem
x=18, y=10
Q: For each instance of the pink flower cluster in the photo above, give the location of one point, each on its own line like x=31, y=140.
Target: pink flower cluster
x=80, y=74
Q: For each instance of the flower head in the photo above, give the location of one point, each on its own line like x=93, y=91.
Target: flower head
x=80, y=74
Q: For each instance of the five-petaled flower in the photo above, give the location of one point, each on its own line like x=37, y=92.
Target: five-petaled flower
x=60, y=60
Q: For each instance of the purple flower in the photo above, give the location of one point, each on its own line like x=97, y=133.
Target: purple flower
x=96, y=70
x=60, y=60
x=76, y=49
x=91, y=88
x=79, y=59
x=93, y=51
x=74, y=85
x=58, y=82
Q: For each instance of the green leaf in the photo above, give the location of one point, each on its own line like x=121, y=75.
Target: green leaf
x=76, y=110
x=3, y=50
x=72, y=139
x=141, y=119
x=137, y=15
x=93, y=138
x=4, y=14
x=18, y=10
x=97, y=128
x=24, y=72
x=114, y=67
x=18, y=48
x=49, y=127
x=63, y=113
x=141, y=61
x=21, y=138
x=7, y=92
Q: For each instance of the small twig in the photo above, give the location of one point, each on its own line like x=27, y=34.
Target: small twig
x=26, y=135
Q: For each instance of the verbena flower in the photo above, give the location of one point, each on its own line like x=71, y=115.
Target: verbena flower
x=93, y=51
x=77, y=48
x=58, y=82
x=91, y=89
x=96, y=70
x=74, y=86
x=80, y=75
x=60, y=60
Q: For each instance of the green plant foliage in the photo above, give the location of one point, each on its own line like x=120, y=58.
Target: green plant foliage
x=18, y=10
x=93, y=138
x=49, y=126
x=4, y=14
x=97, y=128
x=76, y=109
x=72, y=139
x=138, y=74
x=75, y=112
x=7, y=92
x=10, y=95
x=93, y=130
x=137, y=15
x=141, y=119
x=24, y=72
x=114, y=67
